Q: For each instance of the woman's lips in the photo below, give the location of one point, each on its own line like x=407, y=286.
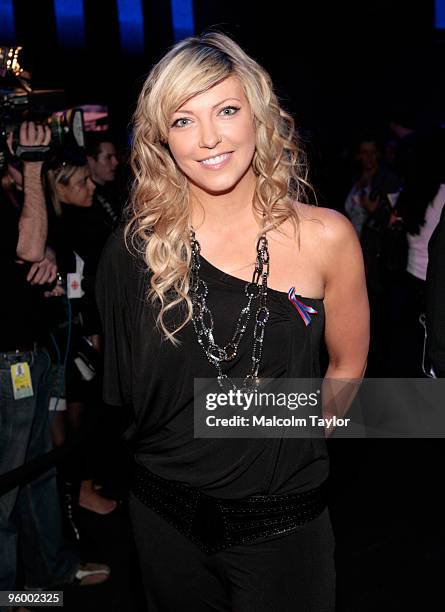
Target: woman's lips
x=217, y=161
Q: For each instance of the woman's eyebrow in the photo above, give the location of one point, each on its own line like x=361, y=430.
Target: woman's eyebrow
x=189, y=112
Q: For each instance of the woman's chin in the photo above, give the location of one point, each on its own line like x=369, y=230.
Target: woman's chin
x=220, y=187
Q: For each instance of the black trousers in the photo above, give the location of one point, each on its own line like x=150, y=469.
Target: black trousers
x=289, y=573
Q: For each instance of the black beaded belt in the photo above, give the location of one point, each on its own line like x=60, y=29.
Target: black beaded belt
x=213, y=523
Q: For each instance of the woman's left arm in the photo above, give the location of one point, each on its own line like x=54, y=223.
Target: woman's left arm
x=346, y=300
x=347, y=314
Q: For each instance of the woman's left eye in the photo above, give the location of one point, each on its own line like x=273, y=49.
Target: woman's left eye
x=229, y=110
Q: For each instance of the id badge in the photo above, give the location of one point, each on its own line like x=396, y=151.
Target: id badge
x=21, y=380
x=74, y=285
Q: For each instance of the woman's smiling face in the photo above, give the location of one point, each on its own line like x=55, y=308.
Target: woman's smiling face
x=212, y=138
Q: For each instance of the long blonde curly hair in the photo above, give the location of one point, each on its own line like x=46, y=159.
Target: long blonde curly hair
x=159, y=210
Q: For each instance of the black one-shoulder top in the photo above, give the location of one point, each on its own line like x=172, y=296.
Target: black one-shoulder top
x=155, y=380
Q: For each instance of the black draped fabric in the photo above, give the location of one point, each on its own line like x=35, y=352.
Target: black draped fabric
x=155, y=379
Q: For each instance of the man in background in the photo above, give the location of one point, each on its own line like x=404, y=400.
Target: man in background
x=103, y=163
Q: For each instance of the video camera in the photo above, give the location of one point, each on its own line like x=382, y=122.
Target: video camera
x=19, y=102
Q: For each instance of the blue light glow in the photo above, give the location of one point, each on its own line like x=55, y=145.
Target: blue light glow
x=7, y=24
x=131, y=25
x=183, y=20
x=440, y=14
x=70, y=23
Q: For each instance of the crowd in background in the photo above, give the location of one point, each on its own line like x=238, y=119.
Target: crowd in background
x=395, y=204
x=55, y=217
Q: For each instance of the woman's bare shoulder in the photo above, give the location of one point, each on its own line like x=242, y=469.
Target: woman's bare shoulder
x=325, y=224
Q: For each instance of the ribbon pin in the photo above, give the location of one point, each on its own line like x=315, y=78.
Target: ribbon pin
x=303, y=309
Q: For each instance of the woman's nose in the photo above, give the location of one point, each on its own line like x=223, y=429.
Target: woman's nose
x=209, y=137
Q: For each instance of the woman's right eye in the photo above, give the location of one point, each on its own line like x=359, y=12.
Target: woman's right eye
x=182, y=122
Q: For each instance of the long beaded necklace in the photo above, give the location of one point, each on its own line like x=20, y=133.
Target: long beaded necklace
x=202, y=317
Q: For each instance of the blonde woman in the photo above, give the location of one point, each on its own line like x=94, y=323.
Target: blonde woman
x=221, y=524
x=80, y=228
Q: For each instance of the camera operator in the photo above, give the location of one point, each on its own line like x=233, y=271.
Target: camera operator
x=30, y=513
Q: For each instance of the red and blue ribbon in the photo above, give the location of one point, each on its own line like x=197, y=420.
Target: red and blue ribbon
x=303, y=309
